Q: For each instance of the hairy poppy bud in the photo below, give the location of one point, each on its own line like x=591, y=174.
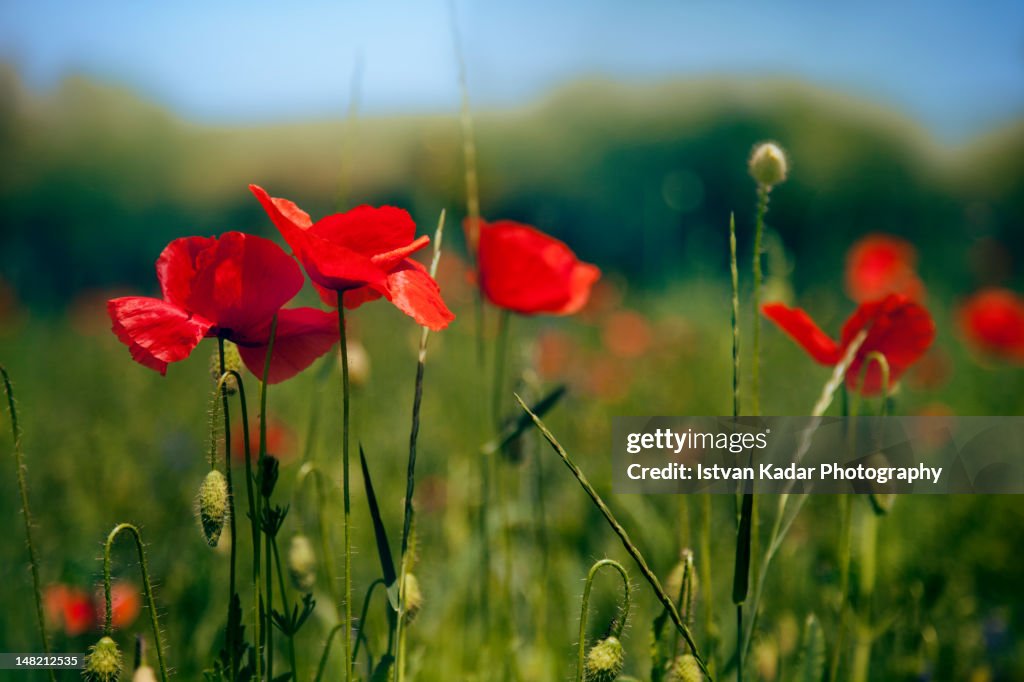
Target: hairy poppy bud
x=685, y=669
x=144, y=674
x=768, y=164
x=213, y=506
x=604, y=661
x=683, y=594
x=358, y=364
x=302, y=563
x=103, y=664
x=232, y=361
x=413, y=597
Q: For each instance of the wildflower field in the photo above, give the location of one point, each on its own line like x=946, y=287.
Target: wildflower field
x=448, y=312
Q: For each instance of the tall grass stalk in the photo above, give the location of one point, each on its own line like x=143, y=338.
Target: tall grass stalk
x=627, y=543
x=146, y=584
x=785, y=513
x=26, y=511
x=620, y=620
x=410, y=480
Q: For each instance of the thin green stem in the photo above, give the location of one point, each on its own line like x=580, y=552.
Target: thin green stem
x=364, y=611
x=320, y=487
x=222, y=389
x=500, y=361
x=327, y=651
x=26, y=511
x=617, y=624
x=734, y=269
x=286, y=606
x=269, y=627
x=346, y=495
x=627, y=543
x=147, y=586
x=755, y=372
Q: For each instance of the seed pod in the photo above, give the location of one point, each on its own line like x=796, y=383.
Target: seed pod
x=144, y=674
x=604, y=661
x=685, y=669
x=103, y=664
x=683, y=592
x=302, y=563
x=768, y=165
x=232, y=361
x=213, y=506
x=413, y=597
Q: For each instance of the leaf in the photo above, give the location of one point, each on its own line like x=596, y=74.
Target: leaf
x=515, y=427
x=381, y=535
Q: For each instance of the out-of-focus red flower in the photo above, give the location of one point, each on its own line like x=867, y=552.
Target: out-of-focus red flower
x=880, y=264
x=71, y=608
x=554, y=353
x=898, y=328
x=627, y=334
x=992, y=321
x=230, y=287
x=280, y=441
x=362, y=254
x=125, y=604
x=526, y=271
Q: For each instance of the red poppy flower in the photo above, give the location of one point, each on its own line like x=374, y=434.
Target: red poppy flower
x=898, y=328
x=125, y=604
x=280, y=441
x=229, y=287
x=71, y=607
x=993, y=321
x=526, y=271
x=364, y=255
x=880, y=264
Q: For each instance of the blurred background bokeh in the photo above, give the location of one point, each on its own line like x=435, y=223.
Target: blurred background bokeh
x=621, y=128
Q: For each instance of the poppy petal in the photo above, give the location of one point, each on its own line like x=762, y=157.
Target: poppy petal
x=583, y=277
x=242, y=282
x=802, y=329
x=415, y=293
x=898, y=328
x=156, y=332
x=992, y=321
x=290, y=220
x=303, y=335
x=176, y=267
x=368, y=230
x=339, y=268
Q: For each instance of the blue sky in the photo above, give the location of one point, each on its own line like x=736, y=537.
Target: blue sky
x=958, y=67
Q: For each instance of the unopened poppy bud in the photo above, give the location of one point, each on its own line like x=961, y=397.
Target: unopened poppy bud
x=768, y=164
x=213, y=506
x=302, y=563
x=358, y=364
x=103, y=664
x=144, y=674
x=232, y=362
x=685, y=669
x=683, y=595
x=604, y=661
x=269, y=470
x=413, y=597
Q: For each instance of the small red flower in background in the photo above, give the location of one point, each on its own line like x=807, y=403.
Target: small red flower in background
x=526, y=271
x=364, y=255
x=70, y=608
x=898, y=328
x=280, y=441
x=125, y=604
x=880, y=264
x=231, y=287
x=992, y=321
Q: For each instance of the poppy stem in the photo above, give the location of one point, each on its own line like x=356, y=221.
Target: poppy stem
x=346, y=495
x=26, y=512
x=734, y=270
x=627, y=543
x=410, y=479
x=755, y=371
x=223, y=390
x=615, y=630
x=147, y=585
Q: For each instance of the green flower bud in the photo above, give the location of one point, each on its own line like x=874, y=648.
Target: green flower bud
x=413, y=597
x=232, y=361
x=213, y=506
x=604, y=661
x=103, y=664
x=302, y=563
x=768, y=165
x=685, y=669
